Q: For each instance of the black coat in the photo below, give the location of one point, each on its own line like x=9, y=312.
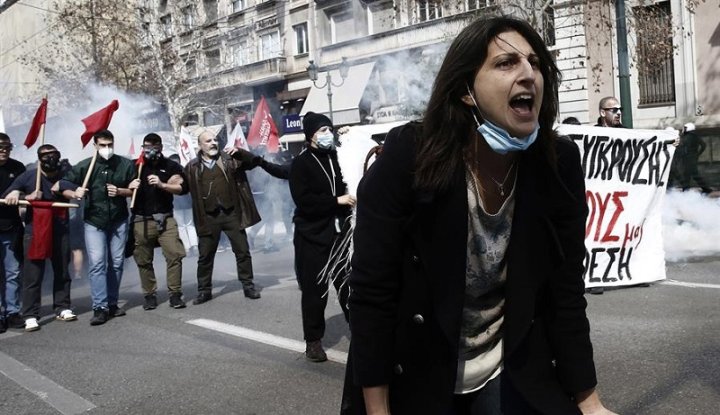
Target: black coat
x=408, y=282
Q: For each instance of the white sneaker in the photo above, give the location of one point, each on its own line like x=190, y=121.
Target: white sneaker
x=66, y=315
x=31, y=324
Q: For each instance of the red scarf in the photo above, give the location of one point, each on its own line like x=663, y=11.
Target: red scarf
x=42, y=238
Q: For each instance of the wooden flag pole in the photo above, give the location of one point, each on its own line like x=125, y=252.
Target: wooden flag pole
x=55, y=204
x=90, y=170
x=42, y=142
x=132, y=201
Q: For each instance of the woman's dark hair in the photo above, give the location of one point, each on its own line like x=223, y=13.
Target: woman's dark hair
x=449, y=125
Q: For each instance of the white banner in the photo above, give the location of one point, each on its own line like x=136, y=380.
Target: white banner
x=626, y=174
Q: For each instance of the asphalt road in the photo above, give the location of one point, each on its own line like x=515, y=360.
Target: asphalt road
x=657, y=349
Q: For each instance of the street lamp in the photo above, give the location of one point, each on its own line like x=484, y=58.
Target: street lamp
x=312, y=70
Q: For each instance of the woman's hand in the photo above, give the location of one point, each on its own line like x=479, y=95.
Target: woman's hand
x=589, y=403
x=377, y=400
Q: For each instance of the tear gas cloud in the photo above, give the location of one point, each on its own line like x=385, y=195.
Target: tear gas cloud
x=690, y=226
x=64, y=126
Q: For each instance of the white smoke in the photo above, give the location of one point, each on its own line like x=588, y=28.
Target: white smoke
x=691, y=228
x=354, y=147
x=64, y=126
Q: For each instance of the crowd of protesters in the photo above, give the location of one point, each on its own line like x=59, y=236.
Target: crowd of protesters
x=106, y=208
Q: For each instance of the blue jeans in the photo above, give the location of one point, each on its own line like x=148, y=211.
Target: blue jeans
x=106, y=256
x=10, y=274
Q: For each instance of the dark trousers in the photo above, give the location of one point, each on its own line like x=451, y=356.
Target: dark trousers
x=497, y=397
x=690, y=174
x=310, y=258
x=208, y=243
x=147, y=236
x=33, y=272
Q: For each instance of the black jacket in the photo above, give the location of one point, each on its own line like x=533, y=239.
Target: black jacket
x=408, y=281
x=316, y=205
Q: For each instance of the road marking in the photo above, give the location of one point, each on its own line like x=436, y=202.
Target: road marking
x=690, y=284
x=66, y=402
x=266, y=338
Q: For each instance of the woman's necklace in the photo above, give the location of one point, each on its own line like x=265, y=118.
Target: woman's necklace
x=501, y=185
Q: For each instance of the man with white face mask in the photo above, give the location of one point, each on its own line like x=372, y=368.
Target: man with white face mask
x=222, y=202
x=106, y=221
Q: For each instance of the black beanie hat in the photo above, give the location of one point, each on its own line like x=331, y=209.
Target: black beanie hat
x=312, y=122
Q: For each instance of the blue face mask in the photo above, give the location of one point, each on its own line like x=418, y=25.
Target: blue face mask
x=499, y=140
x=326, y=141
x=502, y=142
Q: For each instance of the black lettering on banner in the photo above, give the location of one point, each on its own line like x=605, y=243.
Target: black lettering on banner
x=639, y=162
x=615, y=258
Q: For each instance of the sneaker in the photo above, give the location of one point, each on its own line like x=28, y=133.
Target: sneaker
x=150, y=302
x=31, y=324
x=116, y=311
x=176, y=300
x=100, y=316
x=14, y=321
x=314, y=352
x=65, y=315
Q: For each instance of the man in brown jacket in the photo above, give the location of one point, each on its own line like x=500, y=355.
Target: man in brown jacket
x=222, y=202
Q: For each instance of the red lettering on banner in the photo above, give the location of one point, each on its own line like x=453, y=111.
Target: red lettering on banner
x=598, y=205
x=633, y=233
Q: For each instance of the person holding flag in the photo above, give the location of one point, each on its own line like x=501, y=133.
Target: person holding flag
x=106, y=220
x=222, y=202
x=46, y=237
x=10, y=242
x=153, y=224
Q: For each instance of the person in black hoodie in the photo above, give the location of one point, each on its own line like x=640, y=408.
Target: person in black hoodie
x=322, y=210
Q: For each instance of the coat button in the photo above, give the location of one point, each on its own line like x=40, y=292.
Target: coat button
x=398, y=369
x=418, y=319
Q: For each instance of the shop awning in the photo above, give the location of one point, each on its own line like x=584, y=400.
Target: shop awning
x=345, y=98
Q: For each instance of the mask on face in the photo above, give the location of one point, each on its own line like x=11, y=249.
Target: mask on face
x=50, y=164
x=499, y=140
x=326, y=141
x=106, y=152
x=151, y=154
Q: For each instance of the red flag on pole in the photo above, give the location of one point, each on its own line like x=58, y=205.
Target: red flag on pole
x=263, y=131
x=37, y=123
x=98, y=121
x=131, y=151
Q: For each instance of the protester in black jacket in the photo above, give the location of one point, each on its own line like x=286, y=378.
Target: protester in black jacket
x=317, y=187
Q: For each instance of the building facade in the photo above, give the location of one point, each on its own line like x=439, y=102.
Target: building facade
x=237, y=51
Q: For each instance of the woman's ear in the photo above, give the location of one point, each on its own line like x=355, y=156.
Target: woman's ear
x=468, y=100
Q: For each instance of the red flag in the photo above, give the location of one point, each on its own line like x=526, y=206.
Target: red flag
x=98, y=121
x=37, y=122
x=131, y=151
x=263, y=131
x=140, y=160
x=42, y=234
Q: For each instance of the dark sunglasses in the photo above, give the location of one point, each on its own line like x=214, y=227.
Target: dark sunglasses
x=613, y=110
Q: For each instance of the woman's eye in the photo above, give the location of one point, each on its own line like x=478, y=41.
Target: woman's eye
x=505, y=64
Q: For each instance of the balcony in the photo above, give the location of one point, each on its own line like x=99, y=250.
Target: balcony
x=403, y=38
x=255, y=73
